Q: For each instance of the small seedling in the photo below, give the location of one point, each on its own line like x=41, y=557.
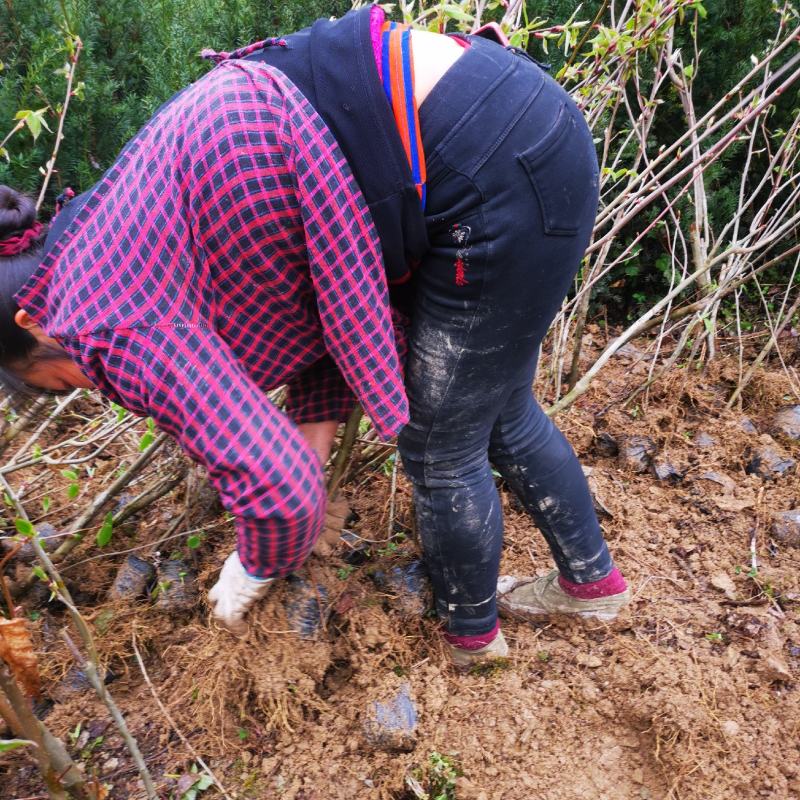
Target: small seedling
x=191, y=784
x=438, y=776
x=106, y=531
x=95, y=743
x=75, y=733
x=343, y=573
x=543, y=656
x=714, y=637
x=390, y=549
x=195, y=540
x=74, y=487
x=148, y=435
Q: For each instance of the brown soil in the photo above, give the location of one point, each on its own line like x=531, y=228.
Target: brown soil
x=692, y=694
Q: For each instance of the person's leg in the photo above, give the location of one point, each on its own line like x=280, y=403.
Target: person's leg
x=542, y=470
x=487, y=290
x=511, y=201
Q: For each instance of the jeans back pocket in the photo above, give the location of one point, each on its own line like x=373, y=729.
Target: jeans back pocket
x=562, y=167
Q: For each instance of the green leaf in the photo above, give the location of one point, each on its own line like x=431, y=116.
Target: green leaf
x=688, y=71
x=146, y=441
x=14, y=744
x=34, y=120
x=106, y=530
x=40, y=574
x=24, y=527
x=45, y=504
x=193, y=541
x=70, y=474
x=73, y=490
x=456, y=12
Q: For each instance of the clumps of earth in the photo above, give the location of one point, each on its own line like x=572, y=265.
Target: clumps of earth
x=342, y=689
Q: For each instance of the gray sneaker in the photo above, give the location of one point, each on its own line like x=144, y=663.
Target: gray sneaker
x=541, y=597
x=466, y=659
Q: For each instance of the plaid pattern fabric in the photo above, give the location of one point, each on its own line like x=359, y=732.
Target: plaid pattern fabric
x=226, y=252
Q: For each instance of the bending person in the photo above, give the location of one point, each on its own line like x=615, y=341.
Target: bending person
x=243, y=240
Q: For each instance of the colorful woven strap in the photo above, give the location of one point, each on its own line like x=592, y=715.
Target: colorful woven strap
x=397, y=73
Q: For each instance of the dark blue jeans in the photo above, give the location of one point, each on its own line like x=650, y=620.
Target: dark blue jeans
x=512, y=196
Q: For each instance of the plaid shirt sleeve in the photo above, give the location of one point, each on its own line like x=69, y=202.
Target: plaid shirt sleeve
x=192, y=385
x=321, y=394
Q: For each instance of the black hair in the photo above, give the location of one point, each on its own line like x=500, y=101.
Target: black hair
x=17, y=345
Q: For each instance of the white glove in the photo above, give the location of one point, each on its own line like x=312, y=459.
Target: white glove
x=235, y=593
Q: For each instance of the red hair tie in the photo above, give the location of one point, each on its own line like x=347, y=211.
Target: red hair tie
x=14, y=245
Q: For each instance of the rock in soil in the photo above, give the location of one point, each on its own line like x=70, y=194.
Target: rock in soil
x=133, y=579
x=306, y=606
x=704, y=440
x=786, y=528
x=409, y=587
x=773, y=668
x=766, y=461
x=664, y=471
x=391, y=723
x=746, y=424
x=355, y=551
x=26, y=554
x=725, y=584
x=606, y=445
x=177, y=587
x=600, y=507
x=74, y=683
x=787, y=422
x=636, y=452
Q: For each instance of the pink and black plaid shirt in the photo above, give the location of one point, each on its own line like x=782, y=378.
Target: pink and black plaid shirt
x=228, y=251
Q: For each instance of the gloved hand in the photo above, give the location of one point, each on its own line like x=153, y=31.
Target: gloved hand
x=336, y=514
x=235, y=593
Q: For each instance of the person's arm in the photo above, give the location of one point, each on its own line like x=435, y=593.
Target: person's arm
x=320, y=436
x=190, y=382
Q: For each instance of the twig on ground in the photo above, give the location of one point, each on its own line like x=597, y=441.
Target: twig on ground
x=89, y=669
x=92, y=664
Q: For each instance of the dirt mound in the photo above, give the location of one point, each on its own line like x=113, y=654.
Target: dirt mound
x=692, y=694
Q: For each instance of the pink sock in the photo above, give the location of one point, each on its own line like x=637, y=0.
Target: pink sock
x=473, y=642
x=613, y=583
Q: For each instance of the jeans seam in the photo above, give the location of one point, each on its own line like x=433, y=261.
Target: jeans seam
x=509, y=127
x=478, y=307
x=456, y=129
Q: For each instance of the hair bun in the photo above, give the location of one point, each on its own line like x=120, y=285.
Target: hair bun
x=17, y=211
